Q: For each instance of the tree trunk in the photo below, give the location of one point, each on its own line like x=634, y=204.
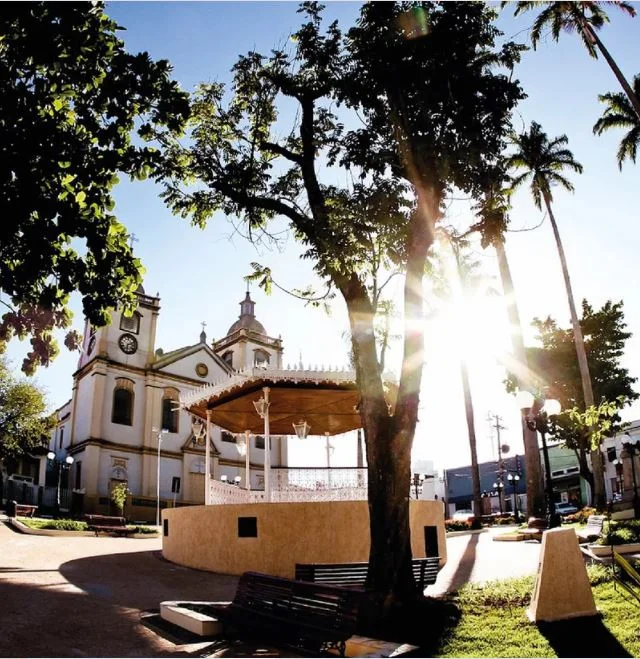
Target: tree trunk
x=533, y=470
x=598, y=492
x=471, y=429
x=593, y=36
x=389, y=467
x=389, y=438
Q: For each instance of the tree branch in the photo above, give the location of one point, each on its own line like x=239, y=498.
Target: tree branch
x=282, y=151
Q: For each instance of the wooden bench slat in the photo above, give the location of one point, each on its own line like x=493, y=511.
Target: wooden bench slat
x=425, y=572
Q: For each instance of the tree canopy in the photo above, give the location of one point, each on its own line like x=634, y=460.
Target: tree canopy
x=72, y=98
x=411, y=102
x=555, y=364
x=619, y=113
x=23, y=422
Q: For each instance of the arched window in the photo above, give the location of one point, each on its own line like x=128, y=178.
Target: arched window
x=123, y=397
x=170, y=413
x=261, y=358
x=228, y=358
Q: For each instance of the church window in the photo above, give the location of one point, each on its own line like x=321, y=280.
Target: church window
x=260, y=442
x=123, y=397
x=170, y=412
x=130, y=324
x=261, y=358
x=227, y=357
x=228, y=437
x=61, y=437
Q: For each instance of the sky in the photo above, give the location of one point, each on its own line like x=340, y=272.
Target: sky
x=199, y=273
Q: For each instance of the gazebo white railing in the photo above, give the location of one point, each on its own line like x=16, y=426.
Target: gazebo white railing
x=299, y=484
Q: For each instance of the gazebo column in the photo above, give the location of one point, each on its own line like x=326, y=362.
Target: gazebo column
x=207, y=461
x=267, y=448
x=247, y=466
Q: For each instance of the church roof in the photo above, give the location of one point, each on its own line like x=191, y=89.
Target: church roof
x=247, y=319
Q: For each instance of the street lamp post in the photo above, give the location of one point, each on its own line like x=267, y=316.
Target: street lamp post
x=68, y=461
x=513, y=479
x=631, y=450
x=160, y=434
x=498, y=485
x=540, y=422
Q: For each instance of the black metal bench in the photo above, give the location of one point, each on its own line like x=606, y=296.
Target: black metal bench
x=107, y=524
x=23, y=509
x=307, y=616
x=425, y=572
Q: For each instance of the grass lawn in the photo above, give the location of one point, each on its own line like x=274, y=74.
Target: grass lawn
x=492, y=623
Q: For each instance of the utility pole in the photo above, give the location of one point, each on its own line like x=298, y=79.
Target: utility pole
x=494, y=420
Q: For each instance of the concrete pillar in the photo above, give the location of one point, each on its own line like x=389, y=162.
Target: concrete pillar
x=562, y=588
x=101, y=401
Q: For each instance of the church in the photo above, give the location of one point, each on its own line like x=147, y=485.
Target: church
x=123, y=423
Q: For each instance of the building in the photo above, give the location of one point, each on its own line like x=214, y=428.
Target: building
x=568, y=485
x=496, y=488
x=622, y=476
x=125, y=391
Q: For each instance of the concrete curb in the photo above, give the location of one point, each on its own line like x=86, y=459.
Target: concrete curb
x=27, y=530
x=455, y=534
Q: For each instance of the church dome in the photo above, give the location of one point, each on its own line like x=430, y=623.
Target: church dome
x=247, y=319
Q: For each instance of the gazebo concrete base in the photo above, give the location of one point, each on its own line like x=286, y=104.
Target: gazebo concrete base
x=273, y=537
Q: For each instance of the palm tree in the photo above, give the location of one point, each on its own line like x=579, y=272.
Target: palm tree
x=461, y=277
x=585, y=18
x=543, y=161
x=492, y=225
x=620, y=114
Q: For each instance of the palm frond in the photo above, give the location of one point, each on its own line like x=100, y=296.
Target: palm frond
x=613, y=120
x=629, y=146
x=557, y=179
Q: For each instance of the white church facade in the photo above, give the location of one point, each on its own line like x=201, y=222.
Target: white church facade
x=125, y=392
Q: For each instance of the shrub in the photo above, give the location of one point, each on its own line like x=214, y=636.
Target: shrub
x=502, y=521
x=143, y=529
x=580, y=517
x=620, y=532
x=457, y=525
x=54, y=524
x=119, y=496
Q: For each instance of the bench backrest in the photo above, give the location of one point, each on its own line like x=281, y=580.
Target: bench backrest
x=104, y=520
x=298, y=602
x=595, y=521
x=425, y=571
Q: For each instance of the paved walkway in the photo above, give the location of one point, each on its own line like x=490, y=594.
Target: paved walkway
x=82, y=597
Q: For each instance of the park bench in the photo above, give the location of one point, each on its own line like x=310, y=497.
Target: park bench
x=106, y=524
x=592, y=530
x=535, y=527
x=23, y=509
x=307, y=616
x=425, y=572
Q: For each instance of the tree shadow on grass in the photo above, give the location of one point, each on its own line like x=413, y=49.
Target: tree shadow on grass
x=425, y=623
x=582, y=637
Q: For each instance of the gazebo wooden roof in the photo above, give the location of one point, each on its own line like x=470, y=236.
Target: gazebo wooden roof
x=326, y=400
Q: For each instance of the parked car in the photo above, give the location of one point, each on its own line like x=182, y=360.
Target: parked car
x=463, y=514
x=566, y=508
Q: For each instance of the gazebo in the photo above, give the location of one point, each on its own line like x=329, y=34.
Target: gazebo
x=274, y=402
x=269, y=530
